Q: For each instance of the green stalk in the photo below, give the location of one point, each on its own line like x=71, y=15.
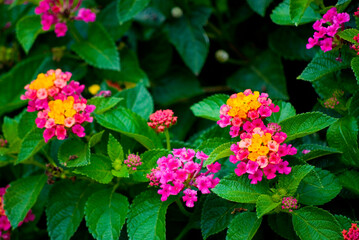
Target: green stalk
x=182, y=208
x=167, y=134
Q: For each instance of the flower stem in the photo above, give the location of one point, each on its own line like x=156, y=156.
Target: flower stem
x=182, y=209
x=167, y=134
x=49, y=158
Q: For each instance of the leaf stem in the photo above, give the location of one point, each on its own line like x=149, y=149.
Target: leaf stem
x=182, y=208
x=48, y=157
x=167, y=134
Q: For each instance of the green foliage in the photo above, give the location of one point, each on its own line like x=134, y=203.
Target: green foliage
x=103, y=104
x=286, y=111
x=349, y=180
x=95, y=139
x=27, y=30
x=127, y=9
x=291, y=181
x=99, y=169
x=265, y=204
x=349, y=34
x=316, y=151
x=297, y=9
x=31, y=144
x=281, y=223
x=355, y=67
x=259, y=6
x=243, y=226
x=73, y=153
x=219, y=152
x=209, y=107
x=114, y=149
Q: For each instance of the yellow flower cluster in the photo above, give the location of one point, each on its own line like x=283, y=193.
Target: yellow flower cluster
x=259, y=146
x=60, y=110
x=43, y=81
x=242, y=104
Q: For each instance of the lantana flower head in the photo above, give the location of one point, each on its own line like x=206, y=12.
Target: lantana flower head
x=179, y=171
x=57, y=13
x=133, y=161
x=326, y=30
x=260, y=152
x=245, y=106
x=162, y=119
x=289, y=203
x=352, y=234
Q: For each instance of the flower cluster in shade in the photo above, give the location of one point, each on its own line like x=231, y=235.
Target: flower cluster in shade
x=352, y=233
x=5, y=226
x=333, y=101
x=162, y=119
x=326, y=30
x=53, y=12
x=59, y=104
x=245, y=107
x=180, y=171
x=133, y=161
x=354, y=46
x=289, y=203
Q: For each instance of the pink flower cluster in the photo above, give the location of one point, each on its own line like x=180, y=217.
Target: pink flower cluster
x=179, y=171
x=325, y=36
x=354, y=46
x=352, y=234
x=162, y=119
x=133, y=161
x=54, y=13
x=306, y=151
x=4, y=221
x=3, y=142
x=289, y=203
x=245, y=106
x=260, y=151
x=59, y=104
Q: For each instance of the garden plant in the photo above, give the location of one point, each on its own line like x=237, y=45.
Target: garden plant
x=179, y=119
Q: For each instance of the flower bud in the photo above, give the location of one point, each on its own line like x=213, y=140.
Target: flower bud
x=176, y=12
x=221, y=56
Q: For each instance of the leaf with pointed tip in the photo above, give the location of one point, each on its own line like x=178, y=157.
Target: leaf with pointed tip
x=74, y=153
x=114, y=149
x=259, y=6
x=350, y=180
x=349, y=34
x=222, y=151
x=344, y=222
x=209, y=107
x=95, y=139
x=316, y=151
x=99, y=169
x=103, y=104
x=355, y=67
x=291, y=181
x=297, y=9
x=127, y=9
x=286, y=111
x=243, y=226
x=27, y=30
x=265, y=205
x=32, y=143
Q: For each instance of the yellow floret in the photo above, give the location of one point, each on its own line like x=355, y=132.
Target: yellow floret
x=253, y=156
x=263, y=150
x=43, y=81
x=59, y=110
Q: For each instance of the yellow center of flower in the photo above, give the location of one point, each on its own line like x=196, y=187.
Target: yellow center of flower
x=43, y=81
x=241, y=104
x=60, y=110
x=259, y=146
x=94, y=89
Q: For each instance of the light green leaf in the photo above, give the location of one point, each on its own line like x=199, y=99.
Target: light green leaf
x=305, y=124
x=10, y=130
x=146, y=219
x=95, y=139
x=297, y=9
x=209, y=107
x=99, y=169
x=239, y=189
x=244, y=226
x=344, y=222
x=265, y=72
x=114, y=149
x=355, y=67
x=130, y=124
x=103, y=104
x=286, y=111
x=127, y=9
x=73, y=153
x=27, y=30
x=99, y=50
x=259, y=6
x=209, y=145
x=291, y=181
x=105, y=214
x=316, y=223
x=222, y=151
x=318, y=187
x=350, y=180
x=343, y=135
x=316, y=151
x=32, y=143
x=26, y=123
x=265, y=204
x=349, y=34
x=21, y=196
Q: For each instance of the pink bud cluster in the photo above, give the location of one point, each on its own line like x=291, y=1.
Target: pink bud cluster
x=179, y=171
x=260, y=151
x=3, y=142
x=325, y=36
x=4, y=221
x=306, y=151
x=356, y=14
x=352, y=234
x=289, y=203
x=243, y=107
x=162, y=119
x=333, y=101
x=104, y=93
x=54, y=13
x=133, y=161
x=59, y=104
x=354, y=46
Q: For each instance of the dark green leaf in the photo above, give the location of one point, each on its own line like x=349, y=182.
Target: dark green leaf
x=291, y=181
x=95, y=139
x=355, y=67
x=286, y=111
x=297, y=9
x=73, y=153
x=354, y=106
x=349, y=34
x=259, y=6
x=265, y=204
x=103, y=104
x=99, y=169
x=27, y=30
x=10, y=130
x=281, y=223
x=244, y=226
x=32, y=143
x=344, y=222
x=127, y=9
x=222, y=151
x=315, y=151
x=350, y=180
x=210, y=106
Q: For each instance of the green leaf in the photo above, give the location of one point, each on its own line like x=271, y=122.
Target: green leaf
x=239, y=189
x=21, y=196
x=95, y=139
x=350, y=180
x=130, y=124
x=324, y=63
x=259, y=6
x=316, y=151
x=114, y=149
x=26, y=123
x=103, y=104
x=146, y=219
x=355, y=67
x=10, y=130
x=188, y=31
x=265, y=205
x=32, y=143
x=291, y=181
x=137, y=99
x=222, y=151
x=127, y=9
x=209, y=107
x=315, y=223
x=297, y=9
x=265, y=72
x=318, y=187
x=306, y=123
x=27, y=30
x=65, y=208
x=122, y=173
x=286, y=111
x=354, y=106
x=343, y=135
x=349, y=34
x=217, y=214
x=73, y=153
x=344, y=222
x=99, y=169
x=99, y=50
x=281, y=15
x=281, y=224
x=244, y=226
x=105, y=214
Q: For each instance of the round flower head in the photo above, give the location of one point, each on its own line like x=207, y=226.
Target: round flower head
x=162, y=119
x=133, y=161
x=289, y=203
x=179, y=171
